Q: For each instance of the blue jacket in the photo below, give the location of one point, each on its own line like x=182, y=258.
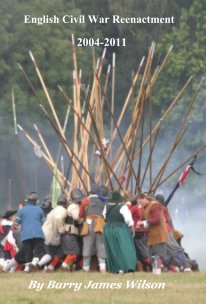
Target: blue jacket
x=30, y=218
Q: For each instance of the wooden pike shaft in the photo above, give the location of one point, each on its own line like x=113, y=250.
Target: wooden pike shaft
x=107, y=165
x=92, y=103
x=162, y=170
x=166, y=113
x=150, y=157
x=184, y=120
x=135, y=119
x=43, y=143
x=125, y=105
x=67, y=148
x=46, y=159
x=115, y=124
x=112, y=99
x=46, y=92
x=138, y=112
x=182, y=164
x=153, y=80
x=19, y=161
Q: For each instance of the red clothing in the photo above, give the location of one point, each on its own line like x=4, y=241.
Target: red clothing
x=83, y=207
x=155, y=213
x=136, y=213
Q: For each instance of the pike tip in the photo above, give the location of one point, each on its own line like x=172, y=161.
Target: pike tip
x=97, y=65
x=104, y=53
x=19, y=65
x=31, y=55
x=35, y=127
x=73, y=42
x=60, y=88
x=113, y=59
x=109, y=68
x=142, y=61
x=20, y=128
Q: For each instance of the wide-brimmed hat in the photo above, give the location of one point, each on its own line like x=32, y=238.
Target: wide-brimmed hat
x=9, y=213
x=116, y=197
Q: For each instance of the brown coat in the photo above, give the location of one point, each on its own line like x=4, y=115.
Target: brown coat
x=157, y=233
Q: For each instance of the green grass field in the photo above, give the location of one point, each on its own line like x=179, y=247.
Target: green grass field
x=179, y=288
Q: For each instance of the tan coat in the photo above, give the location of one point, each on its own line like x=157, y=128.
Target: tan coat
x=157, y=234
x=54, y=226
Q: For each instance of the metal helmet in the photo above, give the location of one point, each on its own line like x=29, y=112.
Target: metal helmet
x=62, y=200
x=95, y=188
x=76, y=195
x=103, y=191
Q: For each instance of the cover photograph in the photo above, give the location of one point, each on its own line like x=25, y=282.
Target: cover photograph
x=102, y=159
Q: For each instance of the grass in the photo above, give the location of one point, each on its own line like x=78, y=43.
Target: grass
x=179, y=288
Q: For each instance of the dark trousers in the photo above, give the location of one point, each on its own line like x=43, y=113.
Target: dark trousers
x=33, y=248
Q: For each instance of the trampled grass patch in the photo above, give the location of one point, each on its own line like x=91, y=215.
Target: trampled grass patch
x=98, y=288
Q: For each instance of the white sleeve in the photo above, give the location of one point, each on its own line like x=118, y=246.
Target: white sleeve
x=126, y=213
x=104, y=212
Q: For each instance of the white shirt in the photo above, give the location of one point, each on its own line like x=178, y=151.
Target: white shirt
x=126, y=213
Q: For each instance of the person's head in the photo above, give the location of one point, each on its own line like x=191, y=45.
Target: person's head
x=33, y=198
x=144, y=199
x=116, y=197
x=76, y=195
x=10, y=215
x=95, y=188
x=103, y=191
x=46, y=205
x=160, y=198
x=62, y=200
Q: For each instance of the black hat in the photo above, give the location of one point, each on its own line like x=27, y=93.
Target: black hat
x=62, y=200
x=116, y=197
x=76, y=195
x=9, y=213
x=33, y=197
x=160, y=198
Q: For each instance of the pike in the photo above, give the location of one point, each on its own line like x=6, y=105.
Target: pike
x=46, y=92
x=19, y=161
x=157, y=179
x=185, y=118
x=112, y=97
x=116, y=126
x=126, y=102
x=182, y=179
x=67, y=148
x=43, y=155
x=183, y=164
x=150, y=157
x=107, y=165
x=140, y=110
